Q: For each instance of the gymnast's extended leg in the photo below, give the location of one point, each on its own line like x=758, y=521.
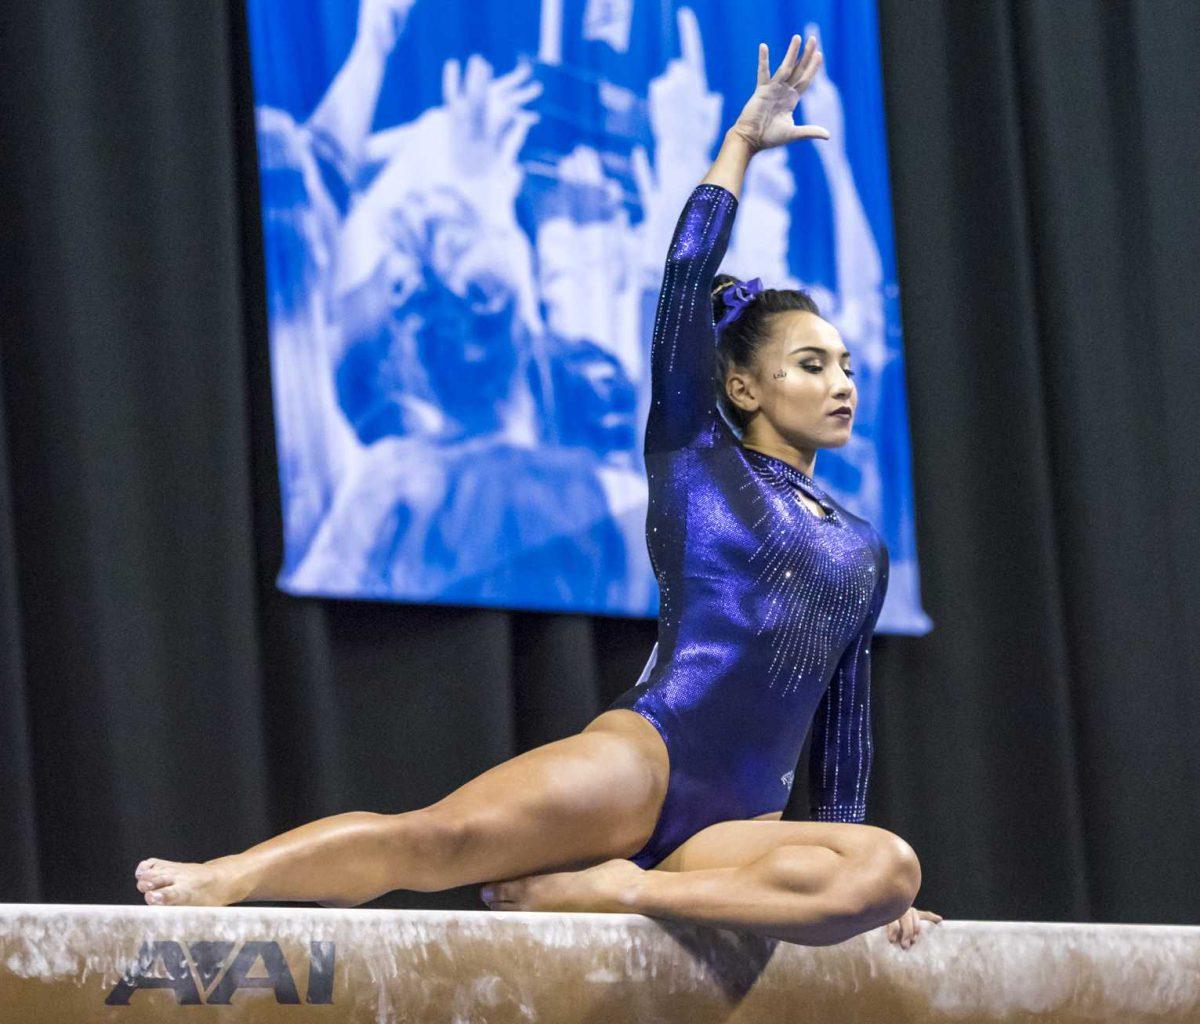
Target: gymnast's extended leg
x=576, y=801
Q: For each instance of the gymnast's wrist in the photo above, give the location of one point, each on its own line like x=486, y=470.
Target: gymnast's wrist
x=741, y=143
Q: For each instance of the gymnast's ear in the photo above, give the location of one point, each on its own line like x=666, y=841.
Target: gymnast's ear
x=741, y=389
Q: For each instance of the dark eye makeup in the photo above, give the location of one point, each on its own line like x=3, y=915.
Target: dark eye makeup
x=818, y=368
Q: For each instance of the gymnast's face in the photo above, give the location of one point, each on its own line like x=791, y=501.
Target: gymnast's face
x=800, y=376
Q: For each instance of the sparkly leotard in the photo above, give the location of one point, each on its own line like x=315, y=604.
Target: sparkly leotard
x=767, y=610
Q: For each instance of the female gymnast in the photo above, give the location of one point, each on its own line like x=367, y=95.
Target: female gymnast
x=668, y=803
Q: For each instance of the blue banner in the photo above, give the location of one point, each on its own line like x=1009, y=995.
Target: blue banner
x=466, y=207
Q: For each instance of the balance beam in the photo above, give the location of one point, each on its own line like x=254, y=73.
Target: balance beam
x=63, y=963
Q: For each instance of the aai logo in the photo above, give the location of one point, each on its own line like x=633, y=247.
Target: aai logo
x=210, y=973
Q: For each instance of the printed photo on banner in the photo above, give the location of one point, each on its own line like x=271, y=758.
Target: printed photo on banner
x=466, y=207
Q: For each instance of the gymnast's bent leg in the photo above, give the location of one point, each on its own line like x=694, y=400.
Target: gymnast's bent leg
x=812, y=894
x=812, y=883
x=579, y=800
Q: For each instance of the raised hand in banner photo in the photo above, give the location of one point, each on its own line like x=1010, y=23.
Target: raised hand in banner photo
x=383, y=21
x=685, y=120
x=488, y=123
x=685, y=116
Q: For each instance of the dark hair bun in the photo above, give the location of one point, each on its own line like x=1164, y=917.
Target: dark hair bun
x=720, y=283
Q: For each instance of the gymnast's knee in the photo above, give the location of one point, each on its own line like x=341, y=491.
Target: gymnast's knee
x=890, y=879
x=436, y=842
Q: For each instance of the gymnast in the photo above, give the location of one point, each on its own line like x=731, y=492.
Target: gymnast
x=669, y=803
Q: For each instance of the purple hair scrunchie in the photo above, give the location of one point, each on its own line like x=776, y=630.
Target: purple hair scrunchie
x=737, y=297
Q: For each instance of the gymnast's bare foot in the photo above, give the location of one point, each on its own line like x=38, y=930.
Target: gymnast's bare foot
x=170, y=883
x=602, y=889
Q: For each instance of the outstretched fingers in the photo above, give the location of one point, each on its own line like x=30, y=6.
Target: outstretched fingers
x=513, y=89
x=807, y=69
x=477, y=76
x=785, y=70
x=451, y=73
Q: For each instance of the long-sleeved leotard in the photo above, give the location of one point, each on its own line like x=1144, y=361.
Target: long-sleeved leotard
x=767, y=610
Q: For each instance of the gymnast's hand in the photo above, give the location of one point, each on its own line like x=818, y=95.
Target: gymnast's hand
x=907, y=928
x=766, y=119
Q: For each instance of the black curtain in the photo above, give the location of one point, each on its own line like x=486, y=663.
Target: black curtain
x=160, y=697
x=1040, y=744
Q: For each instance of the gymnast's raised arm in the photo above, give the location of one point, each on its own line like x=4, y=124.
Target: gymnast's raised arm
x=683, y=356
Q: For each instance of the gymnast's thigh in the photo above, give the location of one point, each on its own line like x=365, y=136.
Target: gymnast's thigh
x=576, y=801
x=733, y=844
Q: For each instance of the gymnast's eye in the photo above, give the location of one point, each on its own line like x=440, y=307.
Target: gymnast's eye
x=818, y=368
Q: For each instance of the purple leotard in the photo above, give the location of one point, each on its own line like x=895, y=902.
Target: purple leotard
x=767, y=611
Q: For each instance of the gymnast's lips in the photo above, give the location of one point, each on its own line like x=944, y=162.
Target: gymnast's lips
x=841, y=410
